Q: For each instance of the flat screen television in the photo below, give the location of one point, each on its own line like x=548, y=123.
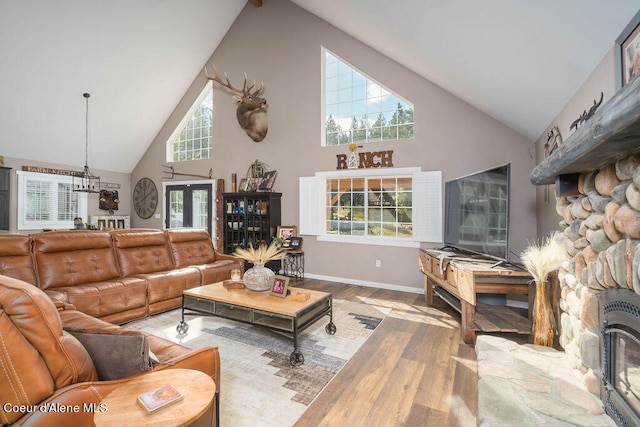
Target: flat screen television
x=476, y=212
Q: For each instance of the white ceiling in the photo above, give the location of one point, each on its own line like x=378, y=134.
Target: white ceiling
x=518, y=61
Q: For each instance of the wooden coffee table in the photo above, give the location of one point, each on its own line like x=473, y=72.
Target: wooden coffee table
x=281, y=315
x=122, y=408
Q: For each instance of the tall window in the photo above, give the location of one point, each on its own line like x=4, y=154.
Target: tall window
x=47, y=201
x=192, y=138
x=359, y=109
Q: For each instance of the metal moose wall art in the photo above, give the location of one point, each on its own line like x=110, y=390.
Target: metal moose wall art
x=252, y=109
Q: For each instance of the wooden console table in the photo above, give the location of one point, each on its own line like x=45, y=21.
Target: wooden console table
x=459, y=278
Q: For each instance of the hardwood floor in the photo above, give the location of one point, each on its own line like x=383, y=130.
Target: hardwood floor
x=413, y=371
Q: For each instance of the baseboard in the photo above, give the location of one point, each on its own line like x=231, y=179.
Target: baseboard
x=366, y=283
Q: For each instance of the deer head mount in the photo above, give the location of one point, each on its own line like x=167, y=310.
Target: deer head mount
x=252, y=110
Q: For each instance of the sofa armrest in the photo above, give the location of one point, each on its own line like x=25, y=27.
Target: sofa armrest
x=221, y=256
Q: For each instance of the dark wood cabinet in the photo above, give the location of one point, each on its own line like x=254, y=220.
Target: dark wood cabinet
x=5, y=176
x=250, y=218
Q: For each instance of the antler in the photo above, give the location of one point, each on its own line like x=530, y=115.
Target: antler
x=245, y=90
x=259, y=90
x=228, y=84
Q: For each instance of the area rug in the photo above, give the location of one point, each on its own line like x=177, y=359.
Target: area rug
x=259, y=386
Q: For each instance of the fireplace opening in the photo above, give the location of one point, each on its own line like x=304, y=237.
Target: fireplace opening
x=620, y=355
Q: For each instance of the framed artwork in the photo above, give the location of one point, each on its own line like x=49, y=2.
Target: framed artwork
x=286, y=232
x=108, y=201
x=243, y=185
x=628, y=53
x=268, y=179
x=280, y=285
x=296, y=243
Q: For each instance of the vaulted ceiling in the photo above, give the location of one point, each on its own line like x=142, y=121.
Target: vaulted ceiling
x=519, y=62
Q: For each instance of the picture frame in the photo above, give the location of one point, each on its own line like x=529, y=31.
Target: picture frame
x=252, y=184
x=280, y=286
x=243, y=185
x=286, y=232
x=628, y=52
x=296, y=243
x=268, y=179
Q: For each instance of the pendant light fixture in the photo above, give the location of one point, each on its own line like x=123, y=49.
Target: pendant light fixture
x=85, y=181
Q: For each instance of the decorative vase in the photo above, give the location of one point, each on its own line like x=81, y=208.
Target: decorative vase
x=543, y=322
x=258, y=278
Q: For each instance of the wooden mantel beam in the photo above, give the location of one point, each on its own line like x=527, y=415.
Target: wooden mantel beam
x=256, y=3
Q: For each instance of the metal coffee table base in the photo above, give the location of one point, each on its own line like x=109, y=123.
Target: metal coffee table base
x=288, y=321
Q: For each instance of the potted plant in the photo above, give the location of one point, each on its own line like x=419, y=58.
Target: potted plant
x=279, y=241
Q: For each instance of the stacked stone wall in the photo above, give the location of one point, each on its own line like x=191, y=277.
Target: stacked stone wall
x=602, y=230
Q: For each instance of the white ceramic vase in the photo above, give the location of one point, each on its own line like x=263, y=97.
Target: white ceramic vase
x=258, y=278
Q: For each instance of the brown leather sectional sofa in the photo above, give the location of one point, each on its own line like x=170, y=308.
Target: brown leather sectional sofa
x=90, y=280
x=116, y=276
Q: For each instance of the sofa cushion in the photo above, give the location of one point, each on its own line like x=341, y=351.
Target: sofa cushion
x=103, y=299
x=69, y=258
x=190, y=246
x=165, y=288
x=193, y=247
x=16, y=259
x=140, y=251
x=35, y=316
x=116, y=354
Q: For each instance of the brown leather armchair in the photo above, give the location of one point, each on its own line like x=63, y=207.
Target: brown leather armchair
x=40, y=363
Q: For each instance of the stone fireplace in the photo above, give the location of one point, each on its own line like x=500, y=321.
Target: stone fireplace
x=620, y=350
x=601, y=226
x=597, y=177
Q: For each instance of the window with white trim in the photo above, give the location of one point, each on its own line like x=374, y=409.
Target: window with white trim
x=48, y=201
x=358, y=109
x=399, y=207
x=192, y=138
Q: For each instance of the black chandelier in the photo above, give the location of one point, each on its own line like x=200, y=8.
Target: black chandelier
x=85, y=181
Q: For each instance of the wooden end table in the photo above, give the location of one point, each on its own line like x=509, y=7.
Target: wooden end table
x=122, y=408
x=281, y=315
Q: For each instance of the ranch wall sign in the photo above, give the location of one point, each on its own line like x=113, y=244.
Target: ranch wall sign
x=366, y=160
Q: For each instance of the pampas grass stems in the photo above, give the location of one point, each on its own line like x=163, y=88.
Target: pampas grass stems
x=545, y=258
x=261, y=255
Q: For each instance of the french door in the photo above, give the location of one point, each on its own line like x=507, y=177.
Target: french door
x=189, y=205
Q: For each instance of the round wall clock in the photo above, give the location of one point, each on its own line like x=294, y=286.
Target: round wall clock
x=145, y=198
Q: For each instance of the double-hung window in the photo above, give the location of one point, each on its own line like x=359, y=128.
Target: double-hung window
x=48, y=201
x=398, y=207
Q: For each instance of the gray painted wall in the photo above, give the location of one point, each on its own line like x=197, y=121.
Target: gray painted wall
x=280, y=44
x=603, y=79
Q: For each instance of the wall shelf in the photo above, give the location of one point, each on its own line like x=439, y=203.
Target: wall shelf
x=611, y=134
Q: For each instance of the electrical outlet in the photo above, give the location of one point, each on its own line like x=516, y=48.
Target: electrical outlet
x=378, y=263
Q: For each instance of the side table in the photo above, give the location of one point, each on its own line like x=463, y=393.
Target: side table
x=293, y=264
x=122, y=408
